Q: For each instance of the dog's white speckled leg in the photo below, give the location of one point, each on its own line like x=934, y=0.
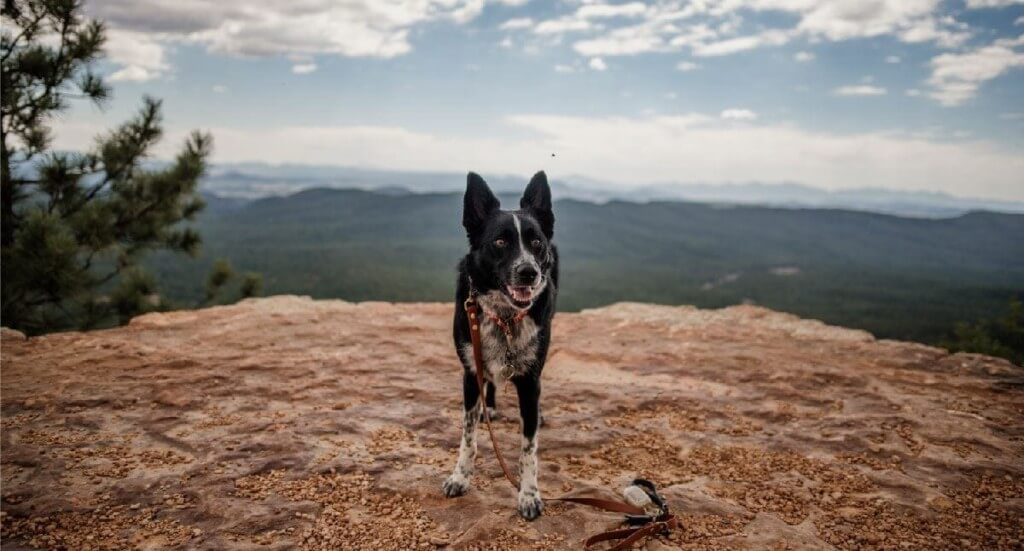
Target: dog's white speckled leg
x=530, y=503
x=458, y=483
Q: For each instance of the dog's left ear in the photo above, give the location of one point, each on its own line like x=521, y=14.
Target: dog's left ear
x=537, y=201
x=478, y=204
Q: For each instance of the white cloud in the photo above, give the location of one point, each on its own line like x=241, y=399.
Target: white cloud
x=1015, y=116
x=687, y=66
x=975, y=4
x=709, y=27
x=913, y=92
x=803, y=57
x=506, y=42
x=671, y=95
x=133, y=73
x=909, y=20
x=859, y=90
x=562, y=25
x=598, y=64
x=382, y=28
x=219, y=88
x=303, y=68
x=560, y=68
x=738, y=115
x=892, y=59
x=956, y=77
x=631, y=151
x=620, y=42
x=651, y=35
x=1019, y=20
x=517, y=23
x=841, y=20
x=945, y=32
x=139, y=56
x=354, y=28
x=695, y=147
x=743, y=43
x=603, y=11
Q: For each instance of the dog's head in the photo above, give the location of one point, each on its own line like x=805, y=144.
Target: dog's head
x=509, y=251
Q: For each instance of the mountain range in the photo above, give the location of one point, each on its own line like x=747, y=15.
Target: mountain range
x=899, y=277
x=256, y=180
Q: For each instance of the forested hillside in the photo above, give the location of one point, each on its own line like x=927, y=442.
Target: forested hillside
x=896, y=277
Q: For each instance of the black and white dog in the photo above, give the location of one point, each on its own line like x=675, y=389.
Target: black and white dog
x=512, y=269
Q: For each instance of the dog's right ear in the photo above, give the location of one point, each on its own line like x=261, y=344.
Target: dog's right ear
x=478, y=205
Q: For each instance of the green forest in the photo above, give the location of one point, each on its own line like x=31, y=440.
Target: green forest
x=906, y=278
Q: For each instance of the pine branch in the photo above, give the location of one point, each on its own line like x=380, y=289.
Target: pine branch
x=10, y=48
x=101, y=203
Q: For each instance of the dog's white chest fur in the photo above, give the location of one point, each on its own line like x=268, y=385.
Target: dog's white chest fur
x=503, y=357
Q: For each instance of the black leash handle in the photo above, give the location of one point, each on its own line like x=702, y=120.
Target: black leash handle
x=642, y=523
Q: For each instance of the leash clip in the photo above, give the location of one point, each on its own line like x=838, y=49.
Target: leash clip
x=643, y=494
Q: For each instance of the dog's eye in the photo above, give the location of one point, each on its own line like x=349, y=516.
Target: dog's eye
x=535, y=243
x=500, y=243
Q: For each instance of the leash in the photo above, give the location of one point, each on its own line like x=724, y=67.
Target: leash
x=647, y=513
x=473, y=311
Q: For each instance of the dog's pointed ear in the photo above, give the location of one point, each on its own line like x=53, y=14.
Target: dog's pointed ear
x=478, y=205
x=537, y=201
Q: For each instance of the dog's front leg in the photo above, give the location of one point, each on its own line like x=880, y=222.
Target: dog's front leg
x=530, y=502
x=458, y=483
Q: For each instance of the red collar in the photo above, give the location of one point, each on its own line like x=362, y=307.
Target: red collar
x=506, y=325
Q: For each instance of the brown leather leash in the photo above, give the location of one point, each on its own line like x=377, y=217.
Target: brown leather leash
x=651, y=525
x=473, y=311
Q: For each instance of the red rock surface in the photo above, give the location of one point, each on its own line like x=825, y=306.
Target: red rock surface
x=285, y=421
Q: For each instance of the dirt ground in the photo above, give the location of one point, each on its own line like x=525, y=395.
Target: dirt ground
x=285, y=422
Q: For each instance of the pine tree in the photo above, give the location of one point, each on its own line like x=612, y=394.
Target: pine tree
x=1003, y=336
x=76, y=225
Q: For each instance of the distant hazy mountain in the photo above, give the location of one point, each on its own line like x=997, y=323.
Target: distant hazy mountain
x=257, y=180
x=905, y=203
x=910, y=278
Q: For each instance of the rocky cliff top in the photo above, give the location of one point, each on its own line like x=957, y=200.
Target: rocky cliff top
x=285, y=421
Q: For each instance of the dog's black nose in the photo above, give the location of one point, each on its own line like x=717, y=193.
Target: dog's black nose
x=526, y=274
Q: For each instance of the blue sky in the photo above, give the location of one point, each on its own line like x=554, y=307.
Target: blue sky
x=899, y=94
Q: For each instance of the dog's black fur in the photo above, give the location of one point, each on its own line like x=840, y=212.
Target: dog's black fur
x=512, y=266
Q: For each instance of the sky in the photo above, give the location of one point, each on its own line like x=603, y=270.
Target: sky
x=895, y=94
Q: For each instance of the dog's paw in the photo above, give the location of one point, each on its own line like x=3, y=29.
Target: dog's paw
x=455, y=486
x=493, y=412
x=530, y=505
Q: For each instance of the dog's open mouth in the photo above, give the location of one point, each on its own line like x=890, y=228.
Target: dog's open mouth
x=521, y=295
